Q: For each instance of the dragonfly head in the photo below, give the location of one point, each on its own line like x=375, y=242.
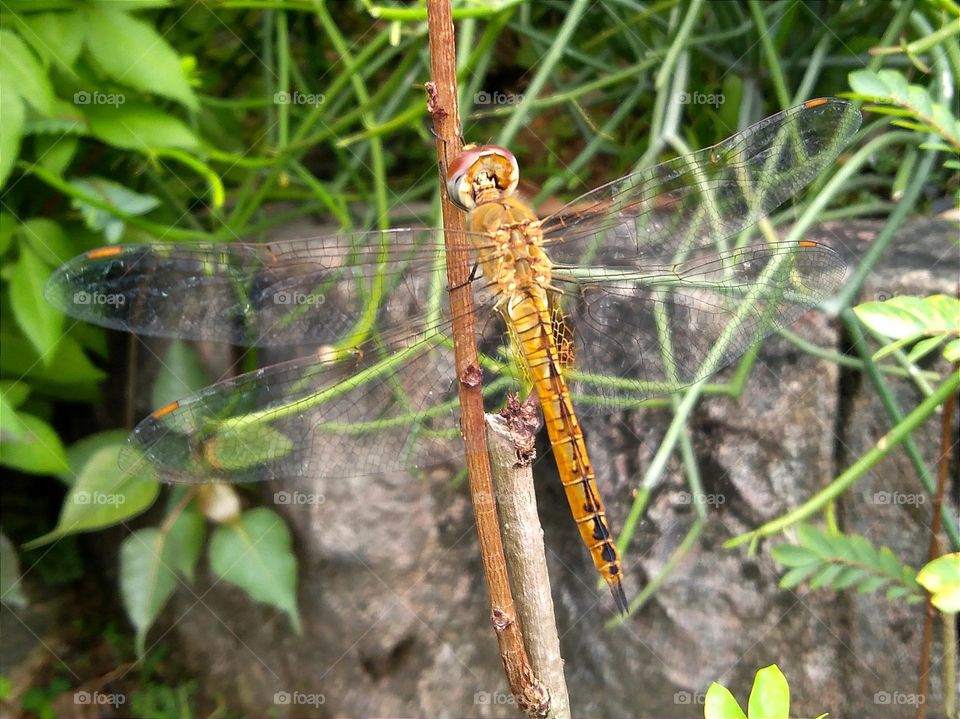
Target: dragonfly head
x=482, y=173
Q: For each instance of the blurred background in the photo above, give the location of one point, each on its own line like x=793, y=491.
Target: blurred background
x=148, y=120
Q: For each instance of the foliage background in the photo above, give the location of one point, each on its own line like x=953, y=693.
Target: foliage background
x=152, y=120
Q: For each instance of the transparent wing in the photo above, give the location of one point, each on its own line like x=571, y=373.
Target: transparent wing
x=317, y=290
x=644, y=333
x=664, y=213
x=654, y=292
x=388, y=406
x=390, y=409
x=378, y=396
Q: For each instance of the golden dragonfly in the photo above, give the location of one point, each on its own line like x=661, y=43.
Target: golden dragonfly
x=637, y=288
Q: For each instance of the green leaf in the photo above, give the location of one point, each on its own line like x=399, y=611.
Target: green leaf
x=720, y=704
x=247, y=445
x=137, y=126
x=39, y=452
x=47, y=239
x=10, y=590
x=849, y=576
x=185, y=540
x=55, y=152
x=116, y=195
x=825, y=576
x=70, y=367
x=181, y=373
x=11, y=129
x=941, y=578
x=12, y=428
x=797, y=575
x=770, y=697
x=868, y=83
x=897, y=318
x=254, y=553
x=134, y=54
x=793, y=555
x=23, y=74
x=7, y=225
x=39, y=321
x=815, y=540
x=952, y=351
x=102, y=496
x=56, y=37
x=15, y=392
x=888, y=562
x=925, y=347
x=872, y=584
x=80, y=452
x=147, y=580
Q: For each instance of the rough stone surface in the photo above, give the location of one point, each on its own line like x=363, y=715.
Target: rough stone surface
x=394, y=603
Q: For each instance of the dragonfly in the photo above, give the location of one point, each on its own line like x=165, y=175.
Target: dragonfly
x=640, y=287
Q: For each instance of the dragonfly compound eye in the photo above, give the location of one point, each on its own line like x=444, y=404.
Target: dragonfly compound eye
x=482, y=174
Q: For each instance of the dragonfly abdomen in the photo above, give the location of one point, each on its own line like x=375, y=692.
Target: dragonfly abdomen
x=534, y=330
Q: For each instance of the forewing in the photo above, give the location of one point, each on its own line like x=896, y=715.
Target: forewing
x=665, y=213
x=317, y=290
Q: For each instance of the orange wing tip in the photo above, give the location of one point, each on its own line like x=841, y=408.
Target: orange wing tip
x=165, y=410
x=102, y=252
x=619, y=597
x=809, y=243
x=816, y=102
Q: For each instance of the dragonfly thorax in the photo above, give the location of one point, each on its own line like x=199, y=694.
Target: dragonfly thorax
x=511, y=253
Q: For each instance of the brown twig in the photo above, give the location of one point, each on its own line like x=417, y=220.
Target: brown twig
x=946, y=444
x=510, y=439
x=442, y=94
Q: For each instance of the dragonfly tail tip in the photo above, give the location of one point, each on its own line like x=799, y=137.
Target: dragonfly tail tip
x=619, y=597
